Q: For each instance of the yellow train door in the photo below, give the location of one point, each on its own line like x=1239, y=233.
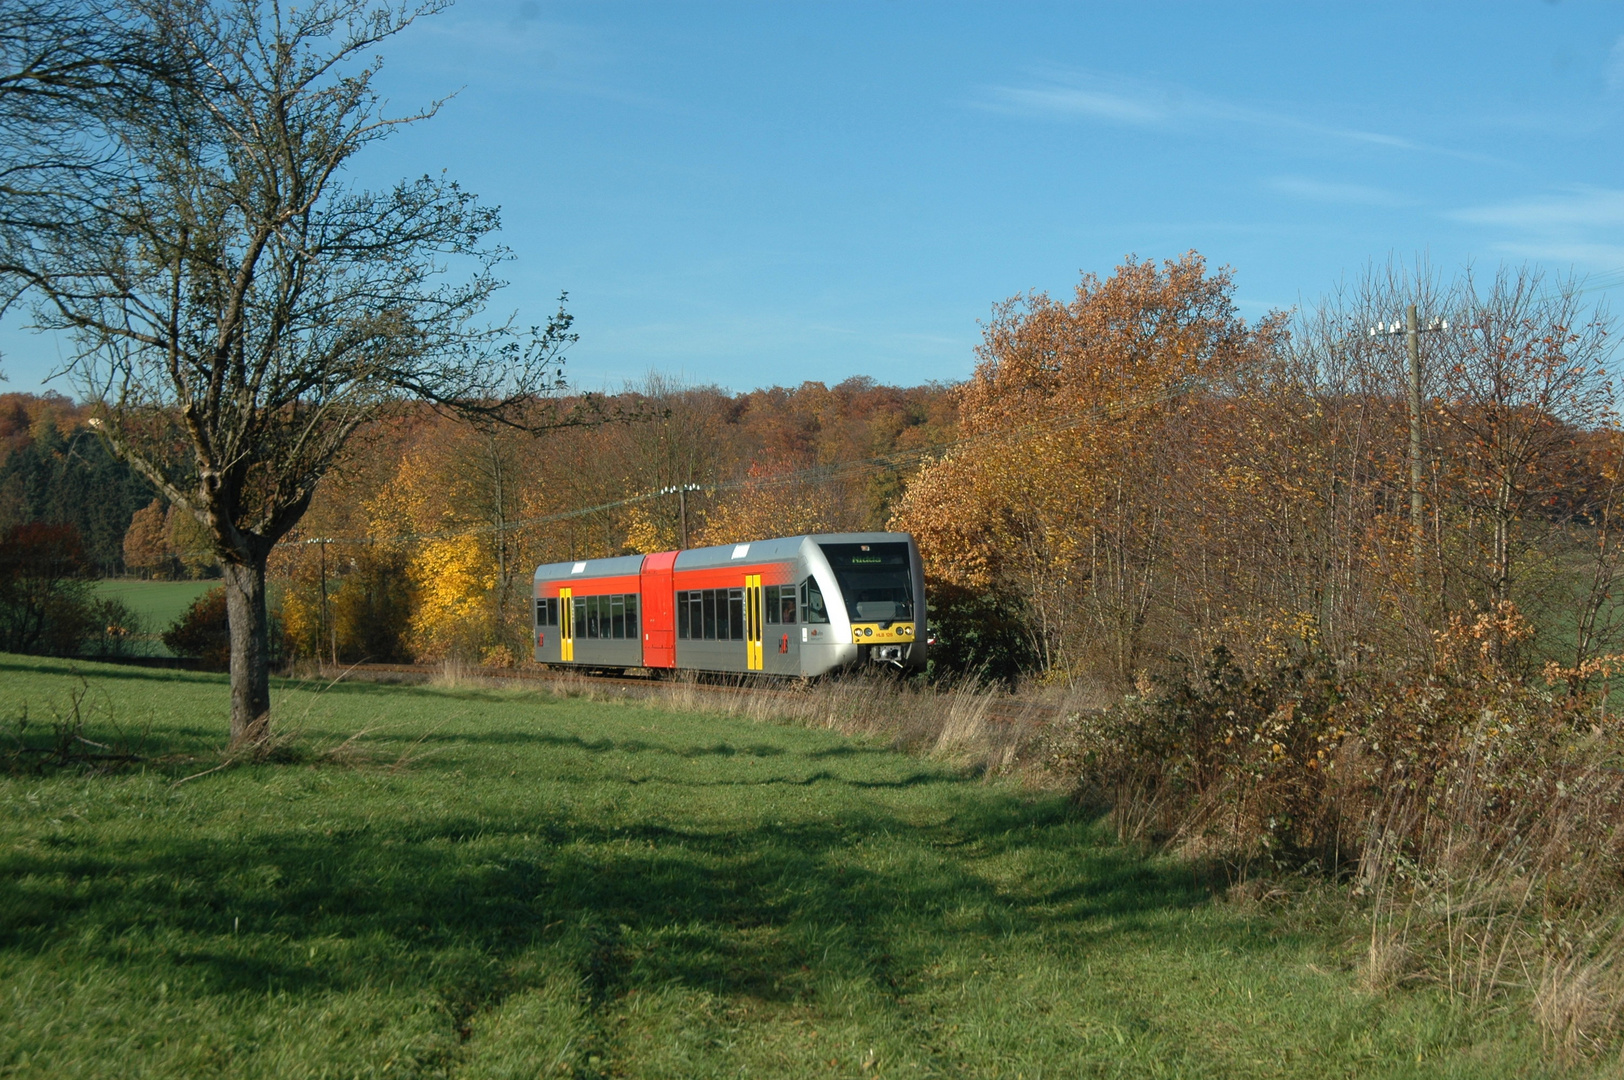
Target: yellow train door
x=754, y=606
x=566, y=626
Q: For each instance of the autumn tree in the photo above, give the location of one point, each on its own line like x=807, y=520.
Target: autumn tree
x=1518, y=440
x=1524, y=377
x=43, y=598
x=771, y=502
x=146, y=546
x=1067, y=493
x=683, y=451
x=242, y=306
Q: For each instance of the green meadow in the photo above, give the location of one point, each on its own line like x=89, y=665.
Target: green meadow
x=157, y=603
x=500, y=883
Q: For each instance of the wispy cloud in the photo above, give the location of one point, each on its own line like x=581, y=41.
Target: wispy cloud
x=1071, y=101
x=1576, y=206
x=1593, y=256
x=1614, y=71
x=1064, y=95
x=1578, y=224
x=1322, y=191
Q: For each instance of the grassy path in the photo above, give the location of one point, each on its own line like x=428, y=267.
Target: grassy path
x=563, y=888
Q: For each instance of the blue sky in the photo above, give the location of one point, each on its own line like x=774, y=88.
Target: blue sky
x=751, y=194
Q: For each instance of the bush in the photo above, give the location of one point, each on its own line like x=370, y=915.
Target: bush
x=1217, y=755
x=46, y=601
x=1477, y=806
x=981, y=634
x=114, y=628
x=202, y=632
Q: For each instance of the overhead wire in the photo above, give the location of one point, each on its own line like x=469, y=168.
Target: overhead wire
x=824, y=474
x=816, y=474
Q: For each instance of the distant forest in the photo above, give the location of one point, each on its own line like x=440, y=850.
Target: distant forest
x=54, y=468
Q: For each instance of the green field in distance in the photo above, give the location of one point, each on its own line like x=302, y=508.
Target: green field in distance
x=158, y=603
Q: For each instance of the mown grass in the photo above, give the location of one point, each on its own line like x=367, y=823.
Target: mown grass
x=518, y=885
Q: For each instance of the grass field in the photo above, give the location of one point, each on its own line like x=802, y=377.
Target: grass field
x=516, y=885
x=159, y=603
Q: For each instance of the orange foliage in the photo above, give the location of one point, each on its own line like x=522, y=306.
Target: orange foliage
x=1089, y=418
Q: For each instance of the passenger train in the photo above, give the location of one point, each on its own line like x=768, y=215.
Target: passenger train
x=799, y=605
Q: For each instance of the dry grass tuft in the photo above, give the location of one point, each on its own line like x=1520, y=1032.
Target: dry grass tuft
x=1387, y=962
x=979, y=727
x=1579, y=998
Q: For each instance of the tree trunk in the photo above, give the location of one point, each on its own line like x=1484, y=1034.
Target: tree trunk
x=250, y=650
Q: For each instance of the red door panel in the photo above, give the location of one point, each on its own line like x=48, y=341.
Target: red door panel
x=659, y=611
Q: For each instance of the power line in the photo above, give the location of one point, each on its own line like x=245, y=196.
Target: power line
x=823, y=474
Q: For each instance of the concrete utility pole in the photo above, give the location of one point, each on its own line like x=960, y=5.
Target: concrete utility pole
x=1412, y=332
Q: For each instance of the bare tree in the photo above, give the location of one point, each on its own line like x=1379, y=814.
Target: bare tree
x=242, y=307
x=62, y=63
x=1526, y=374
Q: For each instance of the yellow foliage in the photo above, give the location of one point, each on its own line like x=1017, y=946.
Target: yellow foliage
x=647, y=532
x=301, y=617
x=764, y=509
x=453, y=579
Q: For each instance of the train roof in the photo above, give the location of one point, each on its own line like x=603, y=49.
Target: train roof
x=784, y=547
x=624, y=564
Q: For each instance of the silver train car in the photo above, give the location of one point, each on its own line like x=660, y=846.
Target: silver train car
x=798, y=605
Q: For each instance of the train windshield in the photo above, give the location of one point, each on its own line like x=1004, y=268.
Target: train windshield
x=875, y=580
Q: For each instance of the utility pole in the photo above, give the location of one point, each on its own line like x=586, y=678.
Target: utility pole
x=681, y=492
x=326, y=619
x=1412, y=332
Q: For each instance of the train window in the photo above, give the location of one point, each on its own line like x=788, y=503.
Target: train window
x=812, y=609
x=579, y=627
x=547, y=612
x=780, y=602
x=709, y=614
x=876, y=580
x=631, y=616
x=617, y=616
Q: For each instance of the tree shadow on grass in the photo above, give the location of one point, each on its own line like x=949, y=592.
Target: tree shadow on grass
x=470, y=906
x=764, y=912
x=103, y=671
x=604, y=744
